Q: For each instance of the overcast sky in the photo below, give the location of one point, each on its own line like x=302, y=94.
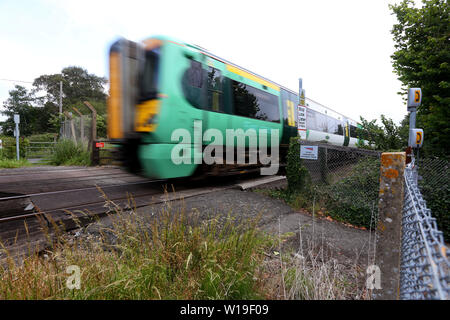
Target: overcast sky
x=341, y=49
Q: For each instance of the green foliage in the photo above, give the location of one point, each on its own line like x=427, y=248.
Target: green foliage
x=32, y=119
x=69, y=153
x=78, y=86
x=55, y=121
x=9, y=147
x=297, y=175
x=42, y=137
x=40, y=115
x=421, y=59
x=101, y=126
x=387, y=137
x=352, y=199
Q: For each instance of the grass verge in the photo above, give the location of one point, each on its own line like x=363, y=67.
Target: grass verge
x=175, y=255
x=11, y=163
x=169, y=257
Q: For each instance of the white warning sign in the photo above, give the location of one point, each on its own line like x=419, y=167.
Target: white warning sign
x=301, y=118
x=309, y=152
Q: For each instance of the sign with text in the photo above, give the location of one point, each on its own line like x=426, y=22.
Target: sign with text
x=99, y=144
x=301, y=118
x=309, y=152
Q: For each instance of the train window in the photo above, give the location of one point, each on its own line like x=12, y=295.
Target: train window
x=195, y=74
x=321, y=122
x=215, y=90
x=192, y=84
x=353, y=131
x=149, y=76
x=254, y=103
x=310, y=119
x=332, y=125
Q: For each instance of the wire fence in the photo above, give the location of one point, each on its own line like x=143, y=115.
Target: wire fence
x=345, y=182
x=434, y=184
x=424, y=269
x=346, y=186
x=77, y=129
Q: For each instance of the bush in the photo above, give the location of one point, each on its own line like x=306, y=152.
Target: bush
x=69, y=153
x=297, y=175
x=352, y=199
x=9, y=147
x=42, y=137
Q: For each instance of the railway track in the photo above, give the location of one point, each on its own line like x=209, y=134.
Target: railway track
x=71, y=198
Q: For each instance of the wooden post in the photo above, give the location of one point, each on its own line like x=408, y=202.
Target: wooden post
x=389, y=228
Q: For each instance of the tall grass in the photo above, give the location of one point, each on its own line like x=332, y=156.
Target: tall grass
x=167, y=256
x=12, y=163
x=176, y=255
x=69, y=153
x=310, y=276
x=311, y=271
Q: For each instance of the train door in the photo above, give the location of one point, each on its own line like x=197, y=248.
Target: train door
x=289, y=103
x=346, y=132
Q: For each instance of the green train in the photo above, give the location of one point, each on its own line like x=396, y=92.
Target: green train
x=163, y=85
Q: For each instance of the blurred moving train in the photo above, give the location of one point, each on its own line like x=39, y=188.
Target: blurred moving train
x=162, y=84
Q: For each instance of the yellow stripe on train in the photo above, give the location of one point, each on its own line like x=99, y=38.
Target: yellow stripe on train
x=252, y=77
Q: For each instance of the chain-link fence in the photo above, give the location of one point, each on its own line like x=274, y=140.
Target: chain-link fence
x=434, y=184
x=424, y=267
x=345, y=182
x=77, y=129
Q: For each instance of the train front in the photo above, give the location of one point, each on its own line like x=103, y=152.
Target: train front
x=133, y=102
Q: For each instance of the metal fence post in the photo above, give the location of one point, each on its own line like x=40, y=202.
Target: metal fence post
x=389, y=229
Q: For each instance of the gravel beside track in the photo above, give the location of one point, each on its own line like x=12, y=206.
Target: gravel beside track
x=347, y=244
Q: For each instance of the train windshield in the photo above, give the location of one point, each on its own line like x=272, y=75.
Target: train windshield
x=148, y=81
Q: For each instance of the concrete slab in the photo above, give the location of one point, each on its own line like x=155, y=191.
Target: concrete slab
x=248, y=184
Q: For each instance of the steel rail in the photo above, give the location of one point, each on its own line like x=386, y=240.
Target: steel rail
x=78, y=189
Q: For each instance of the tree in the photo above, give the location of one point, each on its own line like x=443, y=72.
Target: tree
x=421, y=59
x=78, y=86
x=387, y=137
x=19, y=102
x=40, y=115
